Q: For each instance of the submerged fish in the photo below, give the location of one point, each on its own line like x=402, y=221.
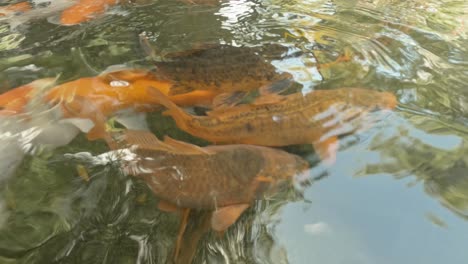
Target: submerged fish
x=24, y=135
x=218, y=68
x=85, y=10
x=316, y=118
x=72, y=11
x=15, y=8
x=98, y=98
x=226, y=179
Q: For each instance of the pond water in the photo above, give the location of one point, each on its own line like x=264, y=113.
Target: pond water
x=397, y=193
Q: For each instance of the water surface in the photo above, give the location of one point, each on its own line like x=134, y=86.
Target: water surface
x=398, y=192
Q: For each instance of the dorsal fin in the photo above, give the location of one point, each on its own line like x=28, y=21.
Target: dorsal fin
x=142, y=139
x=185, y=147
x=278, y=86
x=228, y=99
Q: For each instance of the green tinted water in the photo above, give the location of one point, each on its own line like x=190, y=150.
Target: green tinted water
x=397, y=194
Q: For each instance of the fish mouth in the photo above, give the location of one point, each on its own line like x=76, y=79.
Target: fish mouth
x=389, y=101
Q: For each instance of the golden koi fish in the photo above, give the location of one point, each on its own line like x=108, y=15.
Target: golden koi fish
x=223, y=179
x=316, y=118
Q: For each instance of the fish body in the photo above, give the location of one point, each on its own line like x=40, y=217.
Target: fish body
x=71, y=12
x=208, y=178
x=23, y=135
x=315, y=118
x=84, y=10
x=14, y=8
x=219, y=68
x=97, y=98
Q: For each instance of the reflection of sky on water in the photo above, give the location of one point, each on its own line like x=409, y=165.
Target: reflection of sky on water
x=373, y=219
x=234, y=11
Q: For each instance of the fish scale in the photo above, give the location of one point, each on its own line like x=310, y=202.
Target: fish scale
x=213, y=177
x=316, y=118
x=222, y=67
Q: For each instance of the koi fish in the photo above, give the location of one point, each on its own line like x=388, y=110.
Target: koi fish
x=316, y=118
x=224, y=179
x=21, y=135
x=223, y=69
x=72, y=11
x=15, y=8
x=85, y=10
x=98, y=98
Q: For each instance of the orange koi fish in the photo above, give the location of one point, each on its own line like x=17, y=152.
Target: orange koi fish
x=317, y=118
x=223, y=179
x=14, y=101
x=73, y=11
x=85, y=10
x=15, y=8
x=98, y=98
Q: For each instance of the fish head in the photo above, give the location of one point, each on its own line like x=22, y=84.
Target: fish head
x=280, y=164
x=371, y=100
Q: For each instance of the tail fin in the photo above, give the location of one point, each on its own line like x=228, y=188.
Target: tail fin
x=140, y=139
x=14, y=101
x=179, y=115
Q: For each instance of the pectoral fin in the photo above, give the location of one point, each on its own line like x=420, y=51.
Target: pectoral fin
x=327, y=149
x=133, y=120
x=97, y=132
x=83, y=124
x=228, y=99
x=180, y=89
x=200, y=225
x=276, y=87
x=180, y=235
x=224, y=217
x=167, y=207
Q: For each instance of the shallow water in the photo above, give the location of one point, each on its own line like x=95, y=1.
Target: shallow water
x=398, y=192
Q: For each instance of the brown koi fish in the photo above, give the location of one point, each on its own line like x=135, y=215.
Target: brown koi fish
x=316, y=118
x=223, y=179
x=223, y=69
